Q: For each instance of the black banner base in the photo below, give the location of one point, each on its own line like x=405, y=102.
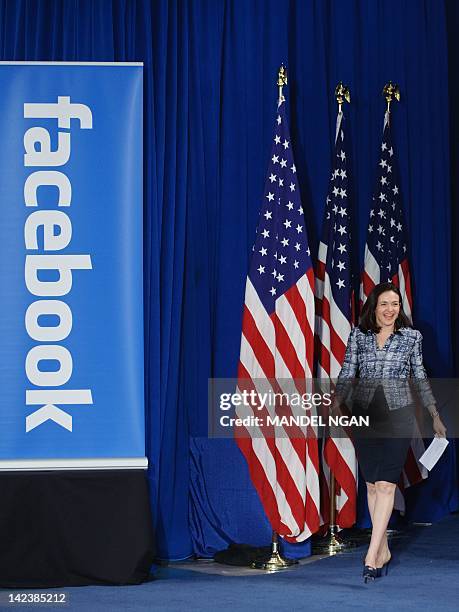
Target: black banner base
x=74, y=528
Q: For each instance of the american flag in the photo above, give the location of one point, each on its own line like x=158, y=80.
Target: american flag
x=334, y=317
x=277, y=344
x=386, y=250
x=386, y=260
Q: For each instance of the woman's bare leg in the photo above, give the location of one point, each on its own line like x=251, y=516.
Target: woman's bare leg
x=382, y=503
x=371, y=498
x=383, y=553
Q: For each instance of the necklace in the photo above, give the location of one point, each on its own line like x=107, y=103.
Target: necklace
x=384, y=336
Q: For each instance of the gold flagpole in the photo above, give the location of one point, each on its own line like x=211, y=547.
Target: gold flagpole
x=335, y=544
x=332, y=543
x=281, y=81
x=276, y=562
x=342, y=93
x=390, y=91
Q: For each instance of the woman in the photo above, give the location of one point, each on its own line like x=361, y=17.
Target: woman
x=383, y=352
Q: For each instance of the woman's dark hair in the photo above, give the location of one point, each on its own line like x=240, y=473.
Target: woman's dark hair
x=368, y=315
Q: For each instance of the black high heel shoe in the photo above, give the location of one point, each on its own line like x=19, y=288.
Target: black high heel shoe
x=369, y=573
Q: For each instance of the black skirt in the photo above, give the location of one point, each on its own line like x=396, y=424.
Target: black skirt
x=383, y=447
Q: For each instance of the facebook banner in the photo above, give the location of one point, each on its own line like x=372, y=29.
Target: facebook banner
x=71, y=297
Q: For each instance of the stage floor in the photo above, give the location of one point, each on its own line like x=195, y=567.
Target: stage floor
x=423, y=576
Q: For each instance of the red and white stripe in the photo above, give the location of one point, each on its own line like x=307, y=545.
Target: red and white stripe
x=338, y=454
x=371, y=276
x=283, y=468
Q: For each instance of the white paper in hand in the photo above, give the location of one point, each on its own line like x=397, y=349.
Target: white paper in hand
x=433, y=452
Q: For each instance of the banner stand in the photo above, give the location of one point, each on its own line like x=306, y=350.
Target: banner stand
x=75, y=528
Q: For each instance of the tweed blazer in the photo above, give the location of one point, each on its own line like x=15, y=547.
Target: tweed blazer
x=397, y=367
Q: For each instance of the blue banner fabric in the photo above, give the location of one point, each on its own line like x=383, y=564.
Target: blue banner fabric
x=71, y=297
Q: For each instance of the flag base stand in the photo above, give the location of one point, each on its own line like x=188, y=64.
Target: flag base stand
x=275, y=562
x=332, y=543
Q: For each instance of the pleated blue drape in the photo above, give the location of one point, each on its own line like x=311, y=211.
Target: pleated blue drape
x=210, y=94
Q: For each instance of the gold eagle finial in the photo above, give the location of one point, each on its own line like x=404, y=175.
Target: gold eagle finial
x=342, y=93
x=391, y=91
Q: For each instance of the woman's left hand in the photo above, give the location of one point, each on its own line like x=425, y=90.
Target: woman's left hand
x=438, y=427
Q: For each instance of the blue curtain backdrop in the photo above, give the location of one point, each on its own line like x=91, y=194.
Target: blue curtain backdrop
x=210, y=96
